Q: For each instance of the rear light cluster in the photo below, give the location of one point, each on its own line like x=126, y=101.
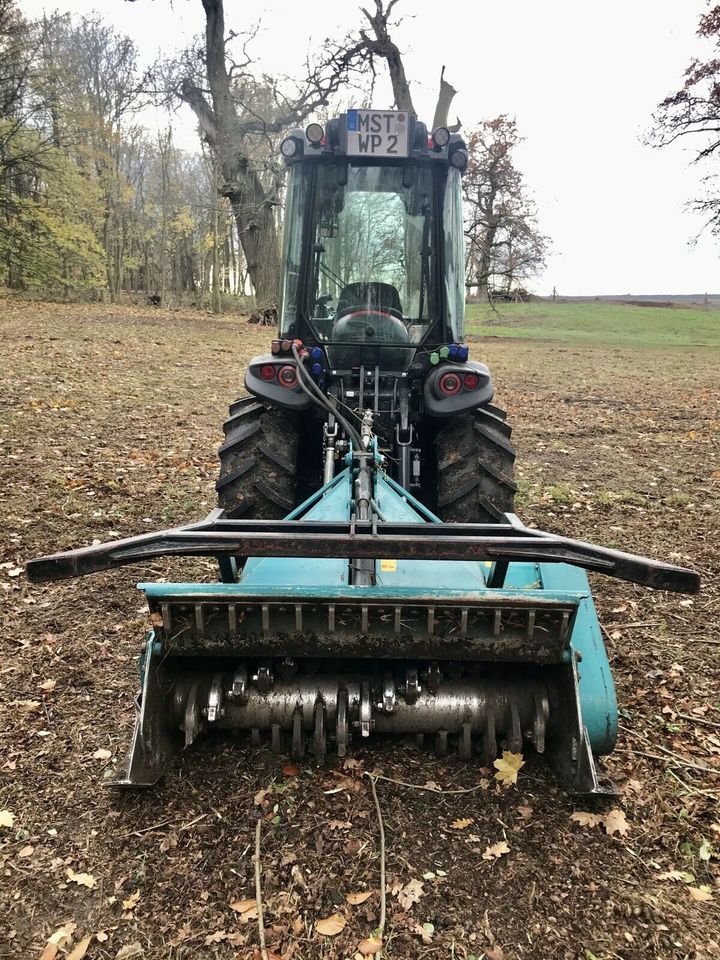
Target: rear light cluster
x=452, y=383
x=286, y=375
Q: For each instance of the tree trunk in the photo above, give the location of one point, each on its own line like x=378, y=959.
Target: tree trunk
x=253, y=209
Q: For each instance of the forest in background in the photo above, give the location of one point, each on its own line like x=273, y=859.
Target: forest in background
x=95, y=205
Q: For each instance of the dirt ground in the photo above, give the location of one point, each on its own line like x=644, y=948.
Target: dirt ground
x=109, y=420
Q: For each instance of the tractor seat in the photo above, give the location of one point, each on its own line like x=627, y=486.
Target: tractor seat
x=369, y=295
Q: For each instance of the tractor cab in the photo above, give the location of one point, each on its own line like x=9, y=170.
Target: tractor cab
x=373, y=238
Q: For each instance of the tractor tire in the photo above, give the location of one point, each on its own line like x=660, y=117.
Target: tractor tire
x=475, y=467
x=258, y=462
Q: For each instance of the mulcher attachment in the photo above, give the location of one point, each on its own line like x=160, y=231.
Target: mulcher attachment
x=474, y=637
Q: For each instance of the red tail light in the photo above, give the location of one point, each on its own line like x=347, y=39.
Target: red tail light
x=268, y=371
x=287, y=376
x=450, y=384
x=471, y=381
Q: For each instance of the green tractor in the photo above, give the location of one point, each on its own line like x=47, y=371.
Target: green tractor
x=372, y=576
x=373, y=291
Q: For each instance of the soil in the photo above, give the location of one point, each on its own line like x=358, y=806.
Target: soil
x=109, y=421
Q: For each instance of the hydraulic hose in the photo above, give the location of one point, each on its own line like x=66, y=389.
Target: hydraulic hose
x=319, y=399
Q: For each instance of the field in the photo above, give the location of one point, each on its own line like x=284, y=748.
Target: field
x=109, y=421
x=599, y=324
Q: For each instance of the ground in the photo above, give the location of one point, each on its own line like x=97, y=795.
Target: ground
x=109, y=419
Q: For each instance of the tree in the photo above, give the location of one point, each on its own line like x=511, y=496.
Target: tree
x=241, y=114
x=693, y=113
x=504, y=244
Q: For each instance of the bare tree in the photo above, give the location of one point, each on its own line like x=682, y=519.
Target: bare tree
x=693, y=113
x=504, y=243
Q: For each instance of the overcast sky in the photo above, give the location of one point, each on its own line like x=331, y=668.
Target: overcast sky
x=582, y=80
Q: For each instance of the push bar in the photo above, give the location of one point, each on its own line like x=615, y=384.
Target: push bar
x=500, y=543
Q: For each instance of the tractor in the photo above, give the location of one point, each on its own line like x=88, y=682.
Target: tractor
x=373, y=578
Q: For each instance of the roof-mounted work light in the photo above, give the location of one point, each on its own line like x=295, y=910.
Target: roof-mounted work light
x=459, y=158
x=315, y=133
x=441, y=138
x=291, y=147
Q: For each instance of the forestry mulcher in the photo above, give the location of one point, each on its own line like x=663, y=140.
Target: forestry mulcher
x=373, y=577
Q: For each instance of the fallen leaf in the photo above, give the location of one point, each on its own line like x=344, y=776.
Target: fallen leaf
x=586, y=819
x=48, y=685
x=80, y=950
x=102, y=754
x=50, y=951
x=246, y=908
x=705, y=850
x=525, y=812
x=357, y=898
x=261, y=796
x=82, y=879
x=7, y=819
x=350, y=763
x=615, y=822
x=131, y=901
x=425, y=931
x=331, y=926
x=431, y=785
x=410, y=893
x=129, y=950
x=290, y=770
x=461, y=824
x=340, y=824
x=101, y=936
x=677, y=876
x=26, y=852
x=508, y=767
x=700, y=893
x=216, y=937
x=495, y=953
x=369, y=947
x=168, y=842
x=496, y=851
x=29, y=706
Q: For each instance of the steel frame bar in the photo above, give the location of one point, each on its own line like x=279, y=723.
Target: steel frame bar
x=498, y=542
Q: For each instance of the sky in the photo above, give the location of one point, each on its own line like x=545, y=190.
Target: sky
x=582, y=80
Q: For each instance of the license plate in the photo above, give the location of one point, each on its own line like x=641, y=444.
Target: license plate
x=377, y=133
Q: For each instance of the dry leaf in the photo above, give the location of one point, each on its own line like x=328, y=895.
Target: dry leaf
x=497, y=850
x=129, y=950
x=262, y=795
x=431, y=785
x=216, y=937
x=410, y=893
x=369, y=947
x=290, y=770
x=676, y=875
x=461, y=824
x=80, y=950
x=586, y=819
x=168, y=842
x=700, y=893
x=102, y=754
x=82, y=879
x=615, y=822
x=26, y=852
x=331, y=926
x=508, y=767
x=495, y=953
x=340, y=824
x=48, y=685
x=7, y=819
x=525, y=812
x=131, y=901
x=246, y=908
x=357, y=898
x=101, y=936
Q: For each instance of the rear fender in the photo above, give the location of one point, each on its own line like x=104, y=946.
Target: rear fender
x=291, y=398
x=439, y=404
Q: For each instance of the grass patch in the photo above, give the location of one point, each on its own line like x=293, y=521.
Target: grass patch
x=606, y=324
